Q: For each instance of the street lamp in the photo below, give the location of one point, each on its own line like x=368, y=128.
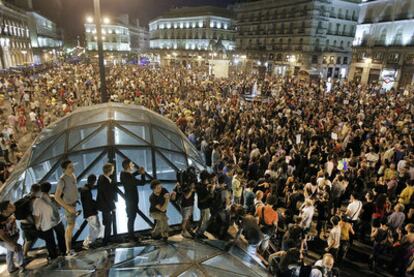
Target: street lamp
x=97, y=8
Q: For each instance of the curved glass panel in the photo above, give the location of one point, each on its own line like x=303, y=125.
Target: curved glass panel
x=57, y=148
x=77, y=135
x=161, y=140
x=124, y=138
x=175, y=158
x=139, y=130
x=98, y=139
x=165, y=170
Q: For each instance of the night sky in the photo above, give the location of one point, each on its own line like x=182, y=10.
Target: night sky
x=70, y=14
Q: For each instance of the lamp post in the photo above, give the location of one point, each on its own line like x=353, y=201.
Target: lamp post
x=97, y=7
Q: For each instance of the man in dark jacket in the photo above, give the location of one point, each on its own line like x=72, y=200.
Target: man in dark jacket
x=90, y=212
x=106, y=199
x=130, y=183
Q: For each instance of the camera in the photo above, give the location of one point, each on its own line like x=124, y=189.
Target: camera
x=187, y=179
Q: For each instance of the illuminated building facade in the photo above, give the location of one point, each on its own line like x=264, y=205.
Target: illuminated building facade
x=118, y=35
x=45, y=37
x=193, y=32
x=298, y=36
x=15, y=44
x=383, y=48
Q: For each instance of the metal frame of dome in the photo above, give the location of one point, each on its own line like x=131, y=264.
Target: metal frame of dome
x=151, y=258
x=94, y=135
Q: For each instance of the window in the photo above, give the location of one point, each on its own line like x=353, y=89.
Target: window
x=338, y=60
x=332, y=60
x=394, y=57
x=314, y=59
x=345, y=60
x=382, y=38
x=290, y=28
x=305, y=10
x=398, y=38
x=325, y=60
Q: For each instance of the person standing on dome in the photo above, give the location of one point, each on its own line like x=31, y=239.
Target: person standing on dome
x=130, y=183
x=66, y=195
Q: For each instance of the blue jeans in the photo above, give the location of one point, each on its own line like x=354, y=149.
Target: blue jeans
x=11, y=254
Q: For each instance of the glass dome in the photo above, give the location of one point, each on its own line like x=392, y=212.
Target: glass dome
x=185, y=258
x=92, y=136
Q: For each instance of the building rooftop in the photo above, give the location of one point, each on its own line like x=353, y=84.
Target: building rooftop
x=197, y=11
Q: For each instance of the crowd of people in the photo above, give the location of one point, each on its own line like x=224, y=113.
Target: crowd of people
x=305, y=165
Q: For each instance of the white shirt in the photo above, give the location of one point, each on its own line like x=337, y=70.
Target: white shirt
x=307, y=215
x=32, y=116
x=46, y=214
x=335, y=235
x=354, y=209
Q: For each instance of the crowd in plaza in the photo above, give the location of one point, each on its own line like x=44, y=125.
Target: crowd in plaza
x=300, y=165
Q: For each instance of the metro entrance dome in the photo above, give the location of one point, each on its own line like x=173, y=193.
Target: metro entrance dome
x=92, y=136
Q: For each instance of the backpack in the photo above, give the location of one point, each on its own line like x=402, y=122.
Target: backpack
x=23, y=207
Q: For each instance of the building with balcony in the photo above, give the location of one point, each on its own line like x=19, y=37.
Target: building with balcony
x=298, y=36
x=139, y=37
x=118, y=35
x=383, y=48
x=193, y=32
x=46, y=38
x=15, y=43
